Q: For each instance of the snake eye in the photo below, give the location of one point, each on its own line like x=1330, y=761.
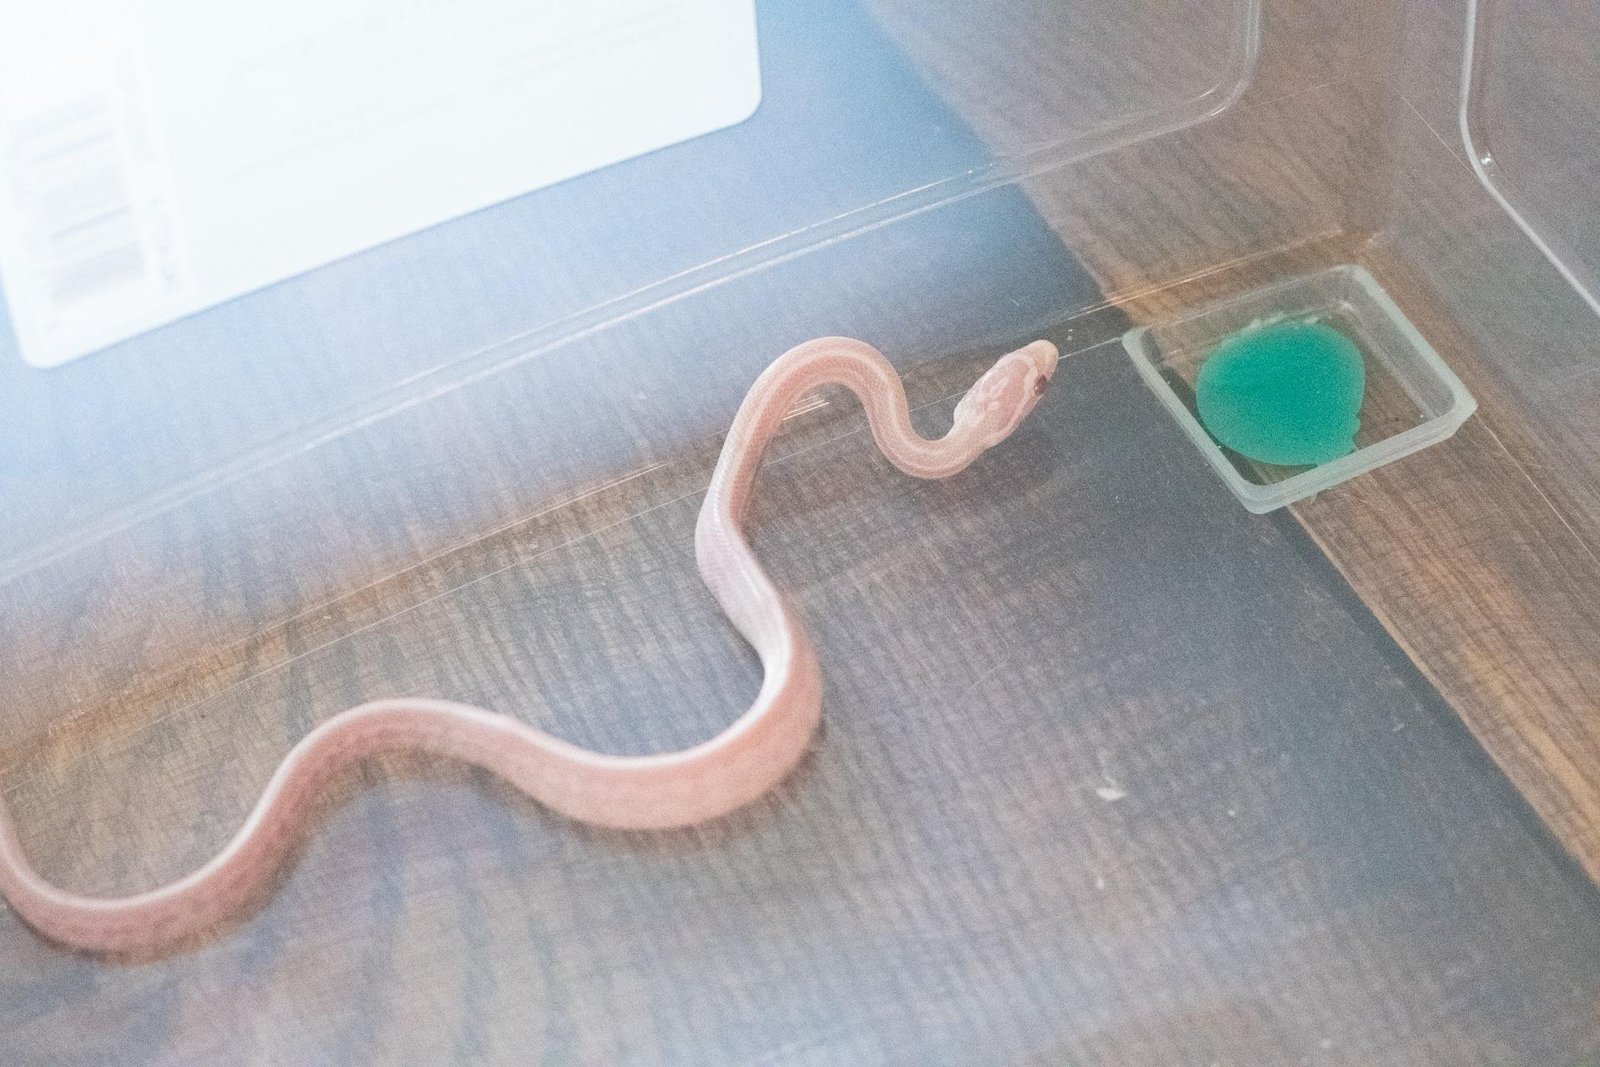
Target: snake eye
x=1040, y=384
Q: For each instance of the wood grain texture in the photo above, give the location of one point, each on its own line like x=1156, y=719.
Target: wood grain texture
x=1110, y=772
x=1475, y=556
x=1480, y=556
x=1068, y=806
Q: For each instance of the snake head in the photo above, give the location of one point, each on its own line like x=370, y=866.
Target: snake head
x=999, y=401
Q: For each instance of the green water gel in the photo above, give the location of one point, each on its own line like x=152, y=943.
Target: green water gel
x=1287, y=393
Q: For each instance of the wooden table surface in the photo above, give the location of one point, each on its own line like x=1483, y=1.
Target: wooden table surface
x=1480, y=556
x=1058, y=813
x=1111, y=771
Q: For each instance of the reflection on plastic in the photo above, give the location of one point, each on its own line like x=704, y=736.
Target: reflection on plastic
x=193, y=153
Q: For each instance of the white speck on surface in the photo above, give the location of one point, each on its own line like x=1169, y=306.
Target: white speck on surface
x=1325, y=1044
x=1398, y=726
x=1099, y=881
x=1112, y=791
x=1232, y=814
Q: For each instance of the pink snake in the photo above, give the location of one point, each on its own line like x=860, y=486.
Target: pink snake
x=744, y=761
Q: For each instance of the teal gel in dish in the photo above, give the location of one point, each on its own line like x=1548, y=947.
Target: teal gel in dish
x=1288, y=393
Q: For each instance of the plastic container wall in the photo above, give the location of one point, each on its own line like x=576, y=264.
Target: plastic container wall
x=201, y=503
x=181, y=497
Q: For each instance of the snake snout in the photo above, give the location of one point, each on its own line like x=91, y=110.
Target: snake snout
x=1007, y=392
x=1042, y=356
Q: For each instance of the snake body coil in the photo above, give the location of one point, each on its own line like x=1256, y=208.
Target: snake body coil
x=741, y=763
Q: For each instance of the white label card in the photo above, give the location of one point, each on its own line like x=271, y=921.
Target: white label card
x=158, y=158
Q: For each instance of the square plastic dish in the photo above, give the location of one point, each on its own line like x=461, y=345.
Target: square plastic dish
x=1412, y=398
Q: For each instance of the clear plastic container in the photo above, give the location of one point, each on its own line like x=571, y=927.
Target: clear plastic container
x=363, y=480
x=1411, y=399
x=1164, y=159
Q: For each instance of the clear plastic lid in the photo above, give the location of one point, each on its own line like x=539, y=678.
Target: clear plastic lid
x=848, y=135
x=255, y=458
x=930, y=177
